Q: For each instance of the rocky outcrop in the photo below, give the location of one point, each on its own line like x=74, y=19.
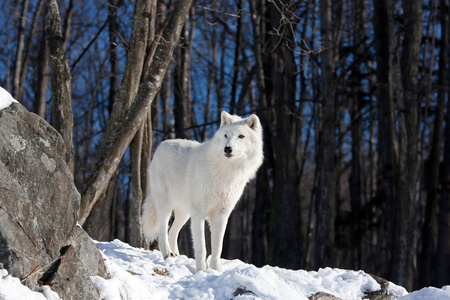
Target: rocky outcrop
x=323, y=296
x=40, y=242
x=382, y=294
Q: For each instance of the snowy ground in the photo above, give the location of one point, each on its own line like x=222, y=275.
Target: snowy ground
x=141, y=274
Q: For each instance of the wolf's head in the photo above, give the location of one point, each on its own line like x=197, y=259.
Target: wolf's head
x=239, y=138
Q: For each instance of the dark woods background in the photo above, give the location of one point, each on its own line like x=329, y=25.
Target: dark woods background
x=353, y=97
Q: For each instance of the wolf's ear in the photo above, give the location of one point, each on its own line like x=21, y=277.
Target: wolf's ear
x=253, y=122
x=225, y=118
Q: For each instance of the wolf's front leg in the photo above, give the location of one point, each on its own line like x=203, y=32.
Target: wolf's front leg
x=218, y=226
x=198, y=235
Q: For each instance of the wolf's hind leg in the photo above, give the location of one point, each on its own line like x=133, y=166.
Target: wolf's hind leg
x=164, y=213
x=179, y=221
x=163, y=236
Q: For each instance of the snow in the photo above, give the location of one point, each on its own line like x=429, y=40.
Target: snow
x=142, y=274
x=5, y=98
x=12, y=289
x=429, y=293
x=175, y=278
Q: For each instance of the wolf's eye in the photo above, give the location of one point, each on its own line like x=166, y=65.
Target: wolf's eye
x=241, y=136
x=225, y=135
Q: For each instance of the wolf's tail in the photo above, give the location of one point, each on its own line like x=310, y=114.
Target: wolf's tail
x=150, y=220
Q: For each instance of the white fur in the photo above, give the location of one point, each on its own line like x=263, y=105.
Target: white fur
x=200, y=181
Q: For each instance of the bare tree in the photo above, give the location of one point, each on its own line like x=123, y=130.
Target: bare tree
x=60, y=77
x=136, y=146
x=236, y=65
x=260, y=228
x=182, y=84
x=41, y=79
x=442, y=273
x=384, y=29
x=427, y=258
x=326, y=193
x=356, y=176
x=18, y=63
x=405, y=202
x=121, y=130
x=99, y=224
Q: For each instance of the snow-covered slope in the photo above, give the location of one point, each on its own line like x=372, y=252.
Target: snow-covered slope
x=141, y=274
x=5, y=98
x=174, y=278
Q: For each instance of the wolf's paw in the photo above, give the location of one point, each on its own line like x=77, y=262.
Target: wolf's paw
x=171, y=254
x=216, y=266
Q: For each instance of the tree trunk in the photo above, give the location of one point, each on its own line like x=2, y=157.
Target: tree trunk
x=182, y=85
x=121, y=133
x=41, y=79
x=280, y=69
x=427, y=262
x=442, y=272
x=211, y=79
x=62, y=119
x=137, y=194
x=405, y=202
x=68, y=22
x=114, y=59
x=122, y=100
x=18, y=63
x=326, y=201
x=356, y=176
x=387, y=132
x=99, y=223
x=28, y=47
x=263, y=193
x=236, y=65
x=134, y=65
x=166, y=88
x=136, y=147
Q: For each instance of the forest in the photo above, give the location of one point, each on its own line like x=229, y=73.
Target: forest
x=352, y=96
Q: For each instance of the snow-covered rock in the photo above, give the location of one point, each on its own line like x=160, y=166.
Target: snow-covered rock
x=5, y=98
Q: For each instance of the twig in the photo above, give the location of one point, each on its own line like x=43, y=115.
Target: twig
x=217, y=11
x=34, y=272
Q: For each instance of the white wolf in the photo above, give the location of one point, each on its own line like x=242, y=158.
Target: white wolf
x=202, y=181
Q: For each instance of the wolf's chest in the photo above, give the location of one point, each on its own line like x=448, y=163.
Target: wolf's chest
x=222, y=194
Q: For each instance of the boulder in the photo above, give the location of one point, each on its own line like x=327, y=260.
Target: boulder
x=382, y=294
x=40, y=242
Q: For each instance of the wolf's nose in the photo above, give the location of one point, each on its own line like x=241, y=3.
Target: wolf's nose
x=228, y=150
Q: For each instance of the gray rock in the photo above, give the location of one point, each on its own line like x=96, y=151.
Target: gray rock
x=323, y=296
x=88, y=253
x=39, y=203
x=383, y=293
